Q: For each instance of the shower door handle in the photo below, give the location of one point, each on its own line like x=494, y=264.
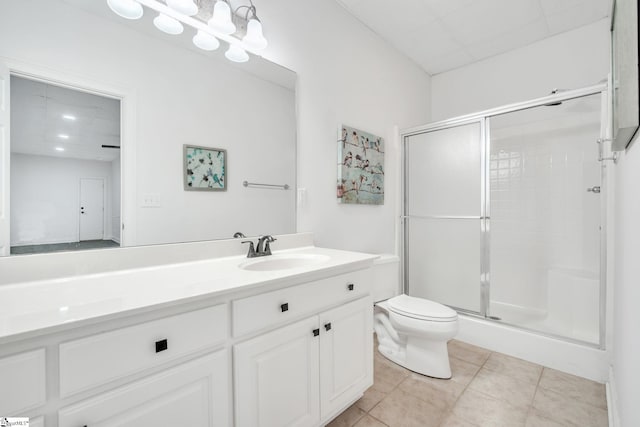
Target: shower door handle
x=595, y=190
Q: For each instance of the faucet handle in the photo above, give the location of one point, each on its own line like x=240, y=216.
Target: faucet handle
x=252, y=250
x=267, y=246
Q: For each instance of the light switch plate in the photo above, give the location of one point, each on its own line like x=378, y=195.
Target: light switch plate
x=151, y=200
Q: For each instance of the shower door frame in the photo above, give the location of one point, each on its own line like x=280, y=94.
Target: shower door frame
x=483, y=118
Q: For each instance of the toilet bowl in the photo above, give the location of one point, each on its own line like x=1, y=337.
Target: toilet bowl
x=413, y=332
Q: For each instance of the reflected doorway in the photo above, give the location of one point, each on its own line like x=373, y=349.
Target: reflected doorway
x=65, y=169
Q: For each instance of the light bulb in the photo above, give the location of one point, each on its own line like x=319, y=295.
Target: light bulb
x=236, y=54
x=221, y=19
x=186, y=7
x=128, y=9
x=168, y=25
x=205, y=41
x=254, y=38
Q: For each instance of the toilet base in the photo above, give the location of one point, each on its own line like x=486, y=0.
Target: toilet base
x=424, y=357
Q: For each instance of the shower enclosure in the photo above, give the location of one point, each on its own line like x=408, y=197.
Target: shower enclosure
x=504, y=214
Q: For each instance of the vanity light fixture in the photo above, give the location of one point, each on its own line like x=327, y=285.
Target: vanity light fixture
x=236, y=54
x=254, y=37
x=221, y=19
x=205, y=41
x=247, y=36
x=168, y=25
x=128, y=9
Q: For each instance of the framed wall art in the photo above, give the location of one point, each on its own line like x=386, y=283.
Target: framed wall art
x=360, y=167
x=205, y=168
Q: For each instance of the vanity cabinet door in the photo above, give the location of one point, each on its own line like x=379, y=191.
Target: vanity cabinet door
x=192, y=394
x=346, y=354
x=277, y=377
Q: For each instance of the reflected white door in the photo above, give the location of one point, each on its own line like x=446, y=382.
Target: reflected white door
x=91, y=209
x=5, y=154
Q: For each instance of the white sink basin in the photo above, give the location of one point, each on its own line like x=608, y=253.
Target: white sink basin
x=283, y=262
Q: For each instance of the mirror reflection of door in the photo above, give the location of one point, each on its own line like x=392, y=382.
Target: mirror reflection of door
x=65, y=168
x=91, y=209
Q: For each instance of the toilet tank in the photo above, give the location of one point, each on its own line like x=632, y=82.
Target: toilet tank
x=386, y=277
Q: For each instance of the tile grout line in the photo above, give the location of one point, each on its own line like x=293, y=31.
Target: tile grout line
x=535, y=393
x=453, y=405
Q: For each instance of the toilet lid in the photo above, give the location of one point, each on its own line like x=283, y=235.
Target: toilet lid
x=421, y=308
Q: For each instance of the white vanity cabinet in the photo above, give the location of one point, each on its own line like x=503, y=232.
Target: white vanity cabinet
x=273, y=351
x=304, y=373
x=192, y=394
x=22, y=382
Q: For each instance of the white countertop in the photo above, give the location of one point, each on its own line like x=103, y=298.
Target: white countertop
x=31, y=308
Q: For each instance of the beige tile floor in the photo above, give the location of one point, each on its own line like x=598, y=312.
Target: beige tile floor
x=487, y=389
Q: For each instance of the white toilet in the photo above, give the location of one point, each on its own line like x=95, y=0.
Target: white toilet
x=412, y=332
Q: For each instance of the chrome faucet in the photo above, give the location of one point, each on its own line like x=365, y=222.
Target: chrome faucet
x=262, y=249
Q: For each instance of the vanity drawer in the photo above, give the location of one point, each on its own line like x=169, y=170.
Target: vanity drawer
x=272, y=308
x=101, y=358
x=22, y=382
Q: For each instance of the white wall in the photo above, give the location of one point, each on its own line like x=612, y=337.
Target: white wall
x=182, y=97
x=346, y=74
x=569, y=60
x=115, y=199
x=45, y=197
x=626, y=339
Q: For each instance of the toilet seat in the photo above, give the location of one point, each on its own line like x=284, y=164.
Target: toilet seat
x=422, y=309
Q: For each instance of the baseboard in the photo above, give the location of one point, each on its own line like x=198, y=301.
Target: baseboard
x=612, y=400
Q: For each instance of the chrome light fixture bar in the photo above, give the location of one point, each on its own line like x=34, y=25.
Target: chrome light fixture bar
x=174, y=13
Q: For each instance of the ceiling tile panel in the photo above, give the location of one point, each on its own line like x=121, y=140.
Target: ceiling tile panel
x=488, y=19
x=445, y=34
x=430, y=41
x=441, y=8
x=447, y=62
x=574, y=17
x=505, y=42
x=37, y=111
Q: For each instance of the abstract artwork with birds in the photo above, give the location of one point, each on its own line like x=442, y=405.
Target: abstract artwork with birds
x=360, y=167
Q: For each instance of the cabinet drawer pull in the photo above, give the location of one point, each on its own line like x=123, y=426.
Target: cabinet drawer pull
x=327, y=326
x=161, y=345
x=284, y=307
x=350, y=286
x=316, y=332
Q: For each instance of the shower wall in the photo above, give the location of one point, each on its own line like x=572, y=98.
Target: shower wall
x=545, y=225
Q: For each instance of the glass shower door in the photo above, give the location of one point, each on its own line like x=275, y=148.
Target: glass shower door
x=444, y=216
x=544, y=193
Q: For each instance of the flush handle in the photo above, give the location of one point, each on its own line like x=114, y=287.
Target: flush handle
x=595, y=190
x=350, y=286
x=316, y=332
x=327, y=326
x=284, y=307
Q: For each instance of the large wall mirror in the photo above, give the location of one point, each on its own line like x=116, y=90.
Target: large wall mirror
x=626, y=75
x=95, y=113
